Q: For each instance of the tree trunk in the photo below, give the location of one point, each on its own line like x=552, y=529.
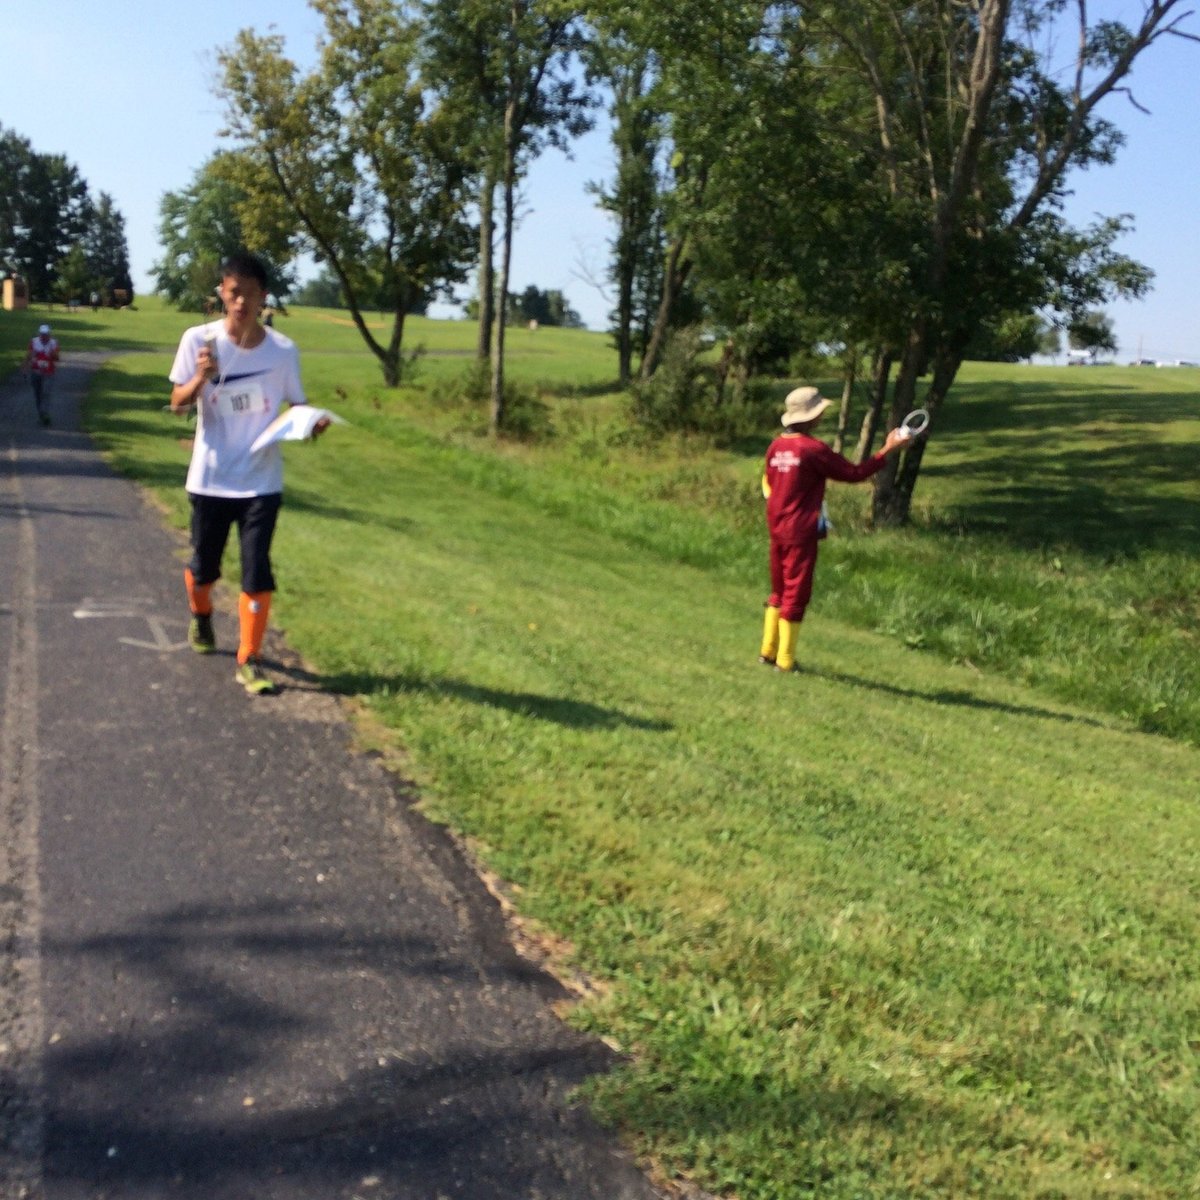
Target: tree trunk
x=851, y=361
x=390, y=358
x=890, y=506
x=487, y=271
x=880, y=374
x=945, y=371
x=893, y=506
x=724, y=366
x=625, y=326
x=674, y=277
x=509, y=188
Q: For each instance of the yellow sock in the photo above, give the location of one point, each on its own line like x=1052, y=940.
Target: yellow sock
x=253, y=610
x=199, y=594
x=786, y=658
x=770, y=640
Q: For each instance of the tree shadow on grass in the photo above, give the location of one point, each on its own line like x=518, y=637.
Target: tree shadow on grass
x=297, y=500
x=956, y=698
x=1066, y=498
x=807, y=1137
x=559, y=710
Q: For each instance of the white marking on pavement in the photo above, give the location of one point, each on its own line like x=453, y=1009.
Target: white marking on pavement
x=109, y=608
x=161, y=641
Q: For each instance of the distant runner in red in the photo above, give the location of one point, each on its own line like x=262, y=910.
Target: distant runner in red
x=41, y=358
x=797, y=467
x=239, y=375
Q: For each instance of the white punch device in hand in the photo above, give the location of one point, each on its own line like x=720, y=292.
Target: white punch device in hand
x=915, y=423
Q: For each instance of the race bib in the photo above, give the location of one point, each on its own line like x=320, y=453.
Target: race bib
x=242, y=399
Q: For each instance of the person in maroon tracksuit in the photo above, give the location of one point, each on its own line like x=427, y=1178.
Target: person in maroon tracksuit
x=797, y=467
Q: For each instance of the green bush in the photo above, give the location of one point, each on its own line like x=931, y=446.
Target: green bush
x=674, y=398
x=526, y=415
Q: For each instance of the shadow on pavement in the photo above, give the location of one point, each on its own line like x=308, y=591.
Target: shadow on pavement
x=415, y=1123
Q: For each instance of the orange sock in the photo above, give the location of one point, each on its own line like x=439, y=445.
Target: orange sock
x=199, y=594
x=253, y=610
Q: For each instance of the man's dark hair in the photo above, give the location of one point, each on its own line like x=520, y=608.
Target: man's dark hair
x=248, y=265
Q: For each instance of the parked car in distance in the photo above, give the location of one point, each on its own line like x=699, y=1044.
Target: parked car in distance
x=1143, y=362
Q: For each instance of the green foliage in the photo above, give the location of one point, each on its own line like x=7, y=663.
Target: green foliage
x=1092, y=331
x=634, y=197
x=814, y=200
x=504, y=71
x=369, y=169
x=676, y=397
x=322, y=291
x=107, y=253
x=544, y=307
x=1012, y=337
x=527, y=416
x=219, y=213
x=683, y=397
x=49, y=225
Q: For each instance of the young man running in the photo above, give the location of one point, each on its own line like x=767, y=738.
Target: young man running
x=238, y=375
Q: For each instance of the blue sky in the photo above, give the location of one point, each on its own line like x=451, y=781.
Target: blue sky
x=123, y=89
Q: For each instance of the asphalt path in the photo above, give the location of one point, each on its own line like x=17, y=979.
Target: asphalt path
x=236, y=962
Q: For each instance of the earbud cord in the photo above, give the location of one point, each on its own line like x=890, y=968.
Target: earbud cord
x=237, y=349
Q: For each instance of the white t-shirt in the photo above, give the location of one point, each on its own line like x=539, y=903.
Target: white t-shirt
x=250, y=390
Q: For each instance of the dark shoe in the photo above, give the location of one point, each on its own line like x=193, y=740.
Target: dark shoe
x=200, y=634
x=767, y=662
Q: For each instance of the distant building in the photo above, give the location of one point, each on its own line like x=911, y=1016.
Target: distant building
x=16, y=293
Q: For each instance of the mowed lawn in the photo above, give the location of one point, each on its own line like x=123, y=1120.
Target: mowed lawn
x=917, y=922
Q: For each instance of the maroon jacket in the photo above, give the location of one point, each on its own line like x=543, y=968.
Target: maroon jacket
x=796, y=470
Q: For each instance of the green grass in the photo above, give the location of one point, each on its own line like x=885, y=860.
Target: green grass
x=908, y=924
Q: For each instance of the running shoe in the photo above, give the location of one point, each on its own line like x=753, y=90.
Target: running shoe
x=200, y=634
x=253, y=680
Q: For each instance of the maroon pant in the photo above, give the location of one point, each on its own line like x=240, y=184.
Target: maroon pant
x=792, y=568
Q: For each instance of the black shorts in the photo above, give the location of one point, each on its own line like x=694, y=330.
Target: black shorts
x=212, y=518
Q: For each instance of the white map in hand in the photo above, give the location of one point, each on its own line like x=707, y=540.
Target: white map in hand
x=296, y=424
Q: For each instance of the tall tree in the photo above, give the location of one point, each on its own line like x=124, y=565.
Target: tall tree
x=1092, y=331
x=217, y=213
x=701, y=55
x=545, y=308
x=45, y=210
x=459, y=58
x=974, y=136
x=107, y=251
x=366, y=163
x=633, y=198
x=515, y=80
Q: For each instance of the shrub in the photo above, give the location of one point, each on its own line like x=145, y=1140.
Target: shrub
x=673, y=399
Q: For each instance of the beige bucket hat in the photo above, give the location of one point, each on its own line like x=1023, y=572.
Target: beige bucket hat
x=803, y=404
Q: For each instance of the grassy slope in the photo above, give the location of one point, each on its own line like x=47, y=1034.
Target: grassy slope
x=890, y=928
